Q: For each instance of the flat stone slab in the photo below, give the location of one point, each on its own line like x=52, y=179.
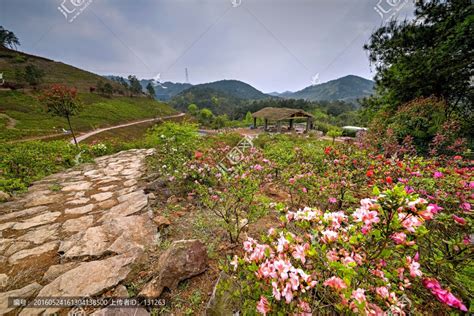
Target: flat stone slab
x=99, y=197
x=37, y=221
x=80, y=210
x=78, y=186
x=22, y=254
x=40, y=235
x=25, y=292
x=78, y=224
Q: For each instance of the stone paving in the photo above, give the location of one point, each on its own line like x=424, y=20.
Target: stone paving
x=75, y=233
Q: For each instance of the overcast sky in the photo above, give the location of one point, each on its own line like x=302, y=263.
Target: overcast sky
x=274, y=45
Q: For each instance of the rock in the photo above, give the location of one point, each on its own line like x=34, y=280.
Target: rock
x=17, y=246
x=5, y=196
x=32, y=252
x=4, y=243
x=3, y=280
x=107, y=188
x=222, y=301
x=6, y=225
x=25, y=292
x=37, y=221
x=89, y=278
x=44, y=200
x=108, y=204
x=184, y=259
x=27, y=212
x=129, y=204
x=121, y=311
x=99, y=197
x=129, y=183
x=40, y=235
x=156, y=186
x=79, y=201
x=120, y=291
x=77, y=186
x=56, y=270
x=80, y=210
x=116, y=235
x=78, y=224
x=161, y=221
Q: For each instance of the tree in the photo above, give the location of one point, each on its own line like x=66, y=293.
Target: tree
x=135, y=86
x=205, y=116
x=430, y=55
x=193, y=109
x=33, y=75
x=8, y=39
x=62, y=101
x=151, y=90
x=334, y=133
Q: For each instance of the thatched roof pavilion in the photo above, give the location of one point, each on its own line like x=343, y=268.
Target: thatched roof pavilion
x=281, y=114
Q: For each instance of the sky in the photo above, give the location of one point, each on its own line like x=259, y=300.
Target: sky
x=274, y=45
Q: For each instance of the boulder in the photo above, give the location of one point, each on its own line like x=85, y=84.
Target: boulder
x=25, y=292
x=183, y=260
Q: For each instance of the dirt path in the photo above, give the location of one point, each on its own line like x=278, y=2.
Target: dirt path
x=11, y=121
x=100, y=130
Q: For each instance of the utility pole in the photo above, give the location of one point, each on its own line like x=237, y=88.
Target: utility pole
x=187, y=74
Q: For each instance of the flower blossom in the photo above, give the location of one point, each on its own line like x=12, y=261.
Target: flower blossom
x=329, y=236
x=399, y=238
x=359, y=295
x=414, y=267
x=459, y=220
x=299, y=252
x=442, y=295
x=335, y=283
x=263, y=307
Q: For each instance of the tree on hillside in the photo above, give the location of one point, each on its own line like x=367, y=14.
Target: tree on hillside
x=33, y=75
x=206, y=116
x=62, y=101
x=135, y=86
x=8, y=39
x=430, y=55
x=151, y=90
x=193, y=109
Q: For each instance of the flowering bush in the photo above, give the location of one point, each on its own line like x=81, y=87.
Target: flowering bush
x=366, y=260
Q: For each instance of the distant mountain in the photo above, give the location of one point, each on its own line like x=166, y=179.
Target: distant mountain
x=348, y=88
x=221, y=97
x=166, y=90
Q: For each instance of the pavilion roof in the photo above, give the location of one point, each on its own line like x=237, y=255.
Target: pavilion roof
x=278, y=114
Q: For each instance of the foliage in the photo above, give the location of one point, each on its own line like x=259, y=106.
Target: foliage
x=31, y=74
x=430, y=55
x=334, y=133
x=62, y=101
x=135, y=87
x=8, y=38
x=365, y=260
x=23, y=163
x=151, y=90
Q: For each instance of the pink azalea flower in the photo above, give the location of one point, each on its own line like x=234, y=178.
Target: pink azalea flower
x=294, y=281
x=276, y=291
x=335, y=283
x=410, y=222
x=257, y=167
x=382, y=291
x=359, y=295
x=459, y=220
x=282, y=244
x=442, y=295
x=332, y=200
x=414, y=267
x=466, y=206
x=263, y=307
x=434, y=208
x=329, y=236
x=299, y=252
x=287, y=293
x=248, y=244
x=437, y=175
x=399, y=238
x=305, y=308
x=332, y=255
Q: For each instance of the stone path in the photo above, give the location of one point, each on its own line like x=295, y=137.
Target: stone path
x=75, y=233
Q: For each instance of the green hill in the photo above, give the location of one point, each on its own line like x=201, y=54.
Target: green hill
x=348, y=88
x=166, y=90
x=221, y=97
x=23, y=116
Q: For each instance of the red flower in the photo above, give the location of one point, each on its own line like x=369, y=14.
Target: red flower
x=459, y=220
x=197, y=154
x=370, y=173
x=327, y=150
x=389, y=180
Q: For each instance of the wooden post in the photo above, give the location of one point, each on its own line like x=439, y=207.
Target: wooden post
x=266, y=125
x=291, y=124
x=254, y=122
x=308, y=121
x=279, y=126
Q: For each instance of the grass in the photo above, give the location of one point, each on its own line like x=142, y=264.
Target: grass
x=97, y=111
